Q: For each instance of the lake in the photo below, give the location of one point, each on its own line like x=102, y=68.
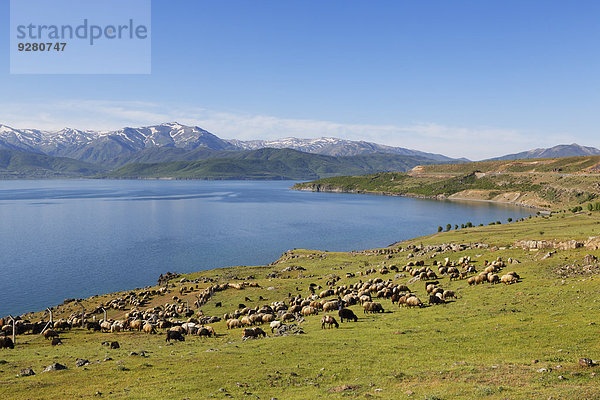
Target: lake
x=78, y=238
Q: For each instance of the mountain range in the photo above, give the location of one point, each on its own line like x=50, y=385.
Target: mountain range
x=180, y=151
x=114, y=148
x=562, y=150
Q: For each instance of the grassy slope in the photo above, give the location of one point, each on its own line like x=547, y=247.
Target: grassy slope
x=543, y=183
x=479, y=346
x=18, y=164
x=268, y=164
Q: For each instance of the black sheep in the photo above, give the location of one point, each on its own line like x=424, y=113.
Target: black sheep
x=348, y=314
x=175, y=335
x=6, y=343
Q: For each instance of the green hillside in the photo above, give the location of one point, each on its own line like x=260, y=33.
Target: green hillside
x=269, y=164
x=549, y=183
x=18, y=165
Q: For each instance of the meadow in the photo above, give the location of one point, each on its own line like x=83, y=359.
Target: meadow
x=518, y=341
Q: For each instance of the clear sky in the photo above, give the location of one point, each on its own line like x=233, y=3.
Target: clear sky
x=463, y=78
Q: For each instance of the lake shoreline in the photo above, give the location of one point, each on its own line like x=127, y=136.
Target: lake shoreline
x=412, y=196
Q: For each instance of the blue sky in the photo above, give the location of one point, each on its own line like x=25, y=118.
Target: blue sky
x=463, y=78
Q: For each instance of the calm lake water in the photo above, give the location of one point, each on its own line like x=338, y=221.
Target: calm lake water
x=78, y=238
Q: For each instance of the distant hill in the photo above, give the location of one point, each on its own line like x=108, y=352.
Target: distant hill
x=116, y=148
x=269, y=164
x=18, y=164
x=563, y=150
x=546, y=183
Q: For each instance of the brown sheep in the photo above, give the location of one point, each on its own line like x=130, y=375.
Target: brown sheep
x=493, y=278
x=372, y=307
x=148, y=328
x=50, y=334
x=414, y=301
x=288, y=317
x=253, y=333
x=513, y=273
x=177, y=328
x=448, y=294
x=306, y=311
x=330, y=306
x=233, y=323
x=508, y=279
x=268, y=318
x=329, y=320
x=135, y=325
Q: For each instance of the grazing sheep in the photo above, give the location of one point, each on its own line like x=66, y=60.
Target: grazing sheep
x=117, y=326
x=136, y=325
x=92, y=325
x=513, y=273
x=268, y=318
x=105, y=326
x=331, y=306
x=448, y=294
x=253, y=333
x=490, y=269
x=347, y=314
x=288, y=317
x=508, y=279
x=177, y=328
x=204, y=331
x=471, y=280
x=435, y=299
x=6, y=343
x=175, y=335
x=50, y=334
x=372, y=307
x=233, y=323
x=308, y=310
x=414, y=301
x=275, y=325
x=148, y=328
x=329, y=320
x=493, y=278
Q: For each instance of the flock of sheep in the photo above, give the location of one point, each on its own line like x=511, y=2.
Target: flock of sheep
x=335, y=298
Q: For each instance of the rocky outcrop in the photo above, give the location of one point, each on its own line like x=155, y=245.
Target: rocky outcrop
x=549, y=244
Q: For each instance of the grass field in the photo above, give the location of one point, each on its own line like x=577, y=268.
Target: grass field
x=488, y=343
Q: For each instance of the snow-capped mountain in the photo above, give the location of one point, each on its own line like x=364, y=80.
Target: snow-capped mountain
x=101, y=147
x=334, y=147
